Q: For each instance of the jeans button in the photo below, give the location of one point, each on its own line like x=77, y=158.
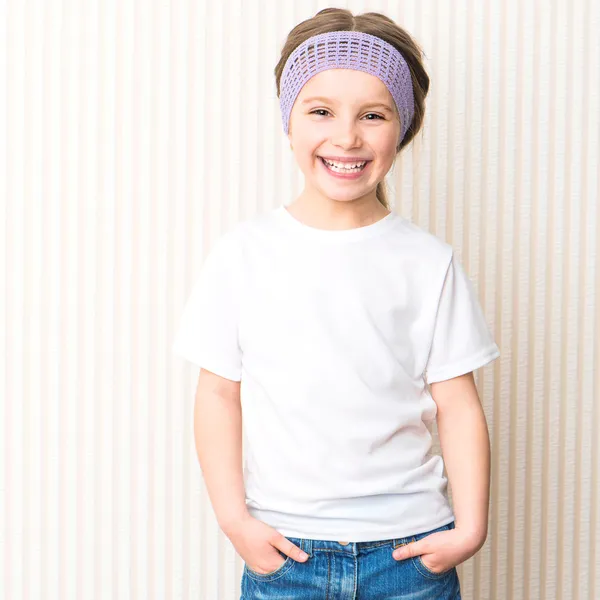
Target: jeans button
x=344, y=543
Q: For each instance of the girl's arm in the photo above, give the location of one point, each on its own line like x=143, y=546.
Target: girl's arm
x=218, y=438
x=465, y=445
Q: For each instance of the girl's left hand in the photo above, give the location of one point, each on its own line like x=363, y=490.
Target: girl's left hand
x=442, y=550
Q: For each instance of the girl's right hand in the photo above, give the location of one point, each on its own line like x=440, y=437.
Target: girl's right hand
x=257, y=543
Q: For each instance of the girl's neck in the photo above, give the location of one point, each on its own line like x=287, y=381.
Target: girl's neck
x=328, y=214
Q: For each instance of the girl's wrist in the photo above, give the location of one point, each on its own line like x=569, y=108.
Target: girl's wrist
x=474, y=537
x=232, y=522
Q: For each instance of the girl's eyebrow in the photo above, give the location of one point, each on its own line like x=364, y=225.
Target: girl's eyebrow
x=329, y=100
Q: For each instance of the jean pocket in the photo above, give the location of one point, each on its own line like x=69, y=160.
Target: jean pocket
x=281, y=570
x=426, y=571
x=418, y=560
x=278, y=572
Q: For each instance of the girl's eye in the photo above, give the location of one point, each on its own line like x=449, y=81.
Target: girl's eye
x=323, y=110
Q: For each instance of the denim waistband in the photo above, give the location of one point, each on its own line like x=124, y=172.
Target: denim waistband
x=354, y=548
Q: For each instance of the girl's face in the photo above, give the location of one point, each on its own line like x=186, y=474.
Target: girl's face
x=344, y=113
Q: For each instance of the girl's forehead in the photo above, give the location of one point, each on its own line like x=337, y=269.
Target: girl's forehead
x=345, y=85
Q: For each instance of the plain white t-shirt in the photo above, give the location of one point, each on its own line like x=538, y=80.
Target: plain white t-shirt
x=334, y=335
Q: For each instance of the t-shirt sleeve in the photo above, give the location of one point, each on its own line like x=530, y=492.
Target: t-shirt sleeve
x=462, y=341
x=208, y=328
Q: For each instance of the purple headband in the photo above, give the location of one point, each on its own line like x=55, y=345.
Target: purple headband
x=347, y=50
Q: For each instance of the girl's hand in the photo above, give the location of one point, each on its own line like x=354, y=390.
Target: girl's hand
x=257, y=543
x=440, y=551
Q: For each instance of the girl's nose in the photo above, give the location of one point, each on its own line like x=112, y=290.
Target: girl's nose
x=346, y=136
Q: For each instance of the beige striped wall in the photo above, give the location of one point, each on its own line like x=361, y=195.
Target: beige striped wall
x=134, y=133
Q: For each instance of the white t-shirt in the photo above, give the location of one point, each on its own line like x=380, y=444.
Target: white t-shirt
x=333, y=335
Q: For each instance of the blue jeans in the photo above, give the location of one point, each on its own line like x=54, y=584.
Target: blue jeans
x=355, y=571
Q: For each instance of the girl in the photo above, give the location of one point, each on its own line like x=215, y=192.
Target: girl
x=340, y=330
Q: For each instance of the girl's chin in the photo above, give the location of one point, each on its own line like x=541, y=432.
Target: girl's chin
x=342, y=193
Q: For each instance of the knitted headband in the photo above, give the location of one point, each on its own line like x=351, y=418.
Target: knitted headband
x=347, y=50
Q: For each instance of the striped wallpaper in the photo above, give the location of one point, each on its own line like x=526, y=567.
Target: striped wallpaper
x=134, y=133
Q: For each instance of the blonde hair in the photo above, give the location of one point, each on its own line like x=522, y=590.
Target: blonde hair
x=341, y=19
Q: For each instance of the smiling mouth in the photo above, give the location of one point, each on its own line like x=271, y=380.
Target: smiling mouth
x=336, y=168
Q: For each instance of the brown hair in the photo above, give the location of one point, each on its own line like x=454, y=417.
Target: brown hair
x=341, y=19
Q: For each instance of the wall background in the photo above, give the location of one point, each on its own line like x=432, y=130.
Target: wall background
x=135, y=133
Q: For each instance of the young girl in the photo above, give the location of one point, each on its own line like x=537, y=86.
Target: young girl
x=340, y=330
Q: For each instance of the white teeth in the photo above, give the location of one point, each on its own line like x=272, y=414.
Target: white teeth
x=345, y=166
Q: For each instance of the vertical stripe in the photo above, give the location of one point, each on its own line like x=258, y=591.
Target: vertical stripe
x=134, y=134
